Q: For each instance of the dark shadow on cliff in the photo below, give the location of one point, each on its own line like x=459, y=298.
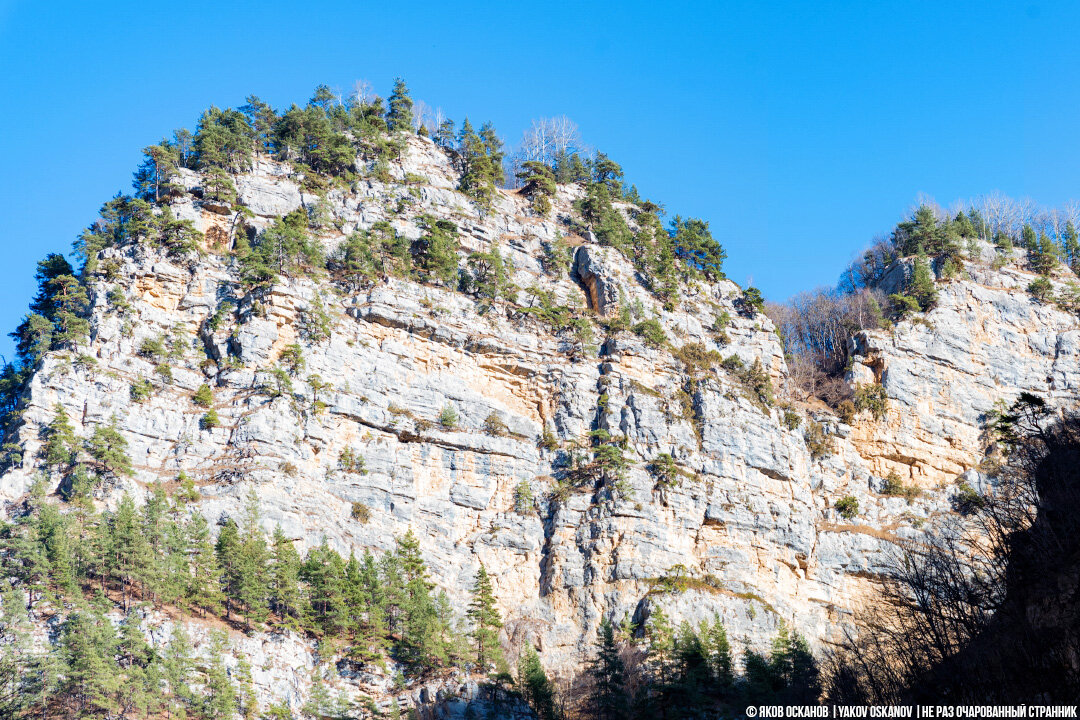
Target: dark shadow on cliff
x=988, y=610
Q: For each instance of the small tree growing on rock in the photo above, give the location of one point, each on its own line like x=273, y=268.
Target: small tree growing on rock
x=847, y=506
x=204, y=396
x=448, y=418
x=108, y=447
x=485, y=619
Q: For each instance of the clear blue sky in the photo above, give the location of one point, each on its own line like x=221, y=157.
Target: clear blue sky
x=799, y=130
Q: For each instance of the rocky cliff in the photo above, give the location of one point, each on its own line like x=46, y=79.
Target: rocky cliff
x=745, y=519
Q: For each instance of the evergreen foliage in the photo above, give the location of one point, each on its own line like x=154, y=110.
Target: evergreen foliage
x=921, y=287
x=164, y=554
x=223, y=139
x=399, y=117
x=695, y=246
x=480, y=158
x=313, y=138
x=485, y=619
x=847, y=506
x=57, y=312
x=487, y=274
x=610, y=700
x=153, y=178
x=538, y=184
x=285, y=248
x=536, y=687
x=108, y=449
x=435, y=252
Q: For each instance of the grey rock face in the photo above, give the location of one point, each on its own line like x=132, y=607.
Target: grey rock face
x=600, y=286
x=750, y=516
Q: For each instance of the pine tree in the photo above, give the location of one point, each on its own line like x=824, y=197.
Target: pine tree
x=922, y=230
x=412, y=563
x=608, y=173
x=493, y=148
x=488, y=273
x=33, y=338
x=246, y=701
x=224, y=139
x=720, y=654
x=26, y=545
x=694, y=679
x=87, y=647
x=261, y=117
x=323, y=98
x=485, y=618
x=419, y=645
x=128, y=549
x=661, y=636
x=174, y=565
x=56, y=312
x=177, y=666
x=156, y=578
x=367, y=603
x=251, y=565
x=228, y=550
x=418, y=614
x=28, y=675
x=97, y=545
x=538, y=690
x=609, y=676
x=1071, y=245
x=140, y=671
x=963, y=226
x=695, y=246
x=54, y=535
x=71, y=299
x=1028, y=239
x=323, y=571
x=480, y=157
x=538, y=184
x=61, y=444
x=203, y=587
x=792, y=667
x=435, y=251
x=152, y=180
x=356, y=262
x=285, y=248
x=1044, y=254
x=220, y=700
x=399, y=117
x=108, y=448
x=286, y=598
x=391, y=591
x=921, y=286
x=124, y=219
x=218, y=187
x=444, y=136
x=450, y=648
x=308, y=137
x=571, y=169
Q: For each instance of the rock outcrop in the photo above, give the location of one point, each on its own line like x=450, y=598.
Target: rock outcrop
x=750, y=518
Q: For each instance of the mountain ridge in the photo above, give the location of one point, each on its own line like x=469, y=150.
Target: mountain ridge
x=661, y=470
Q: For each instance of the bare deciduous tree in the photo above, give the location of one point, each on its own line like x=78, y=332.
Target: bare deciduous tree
x=424, y=117
x=816, y=327
x=984, y=609
x=549, y=138
x=362, y=92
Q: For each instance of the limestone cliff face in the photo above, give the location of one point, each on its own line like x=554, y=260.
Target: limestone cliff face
x=986, y=340
x=751, y=516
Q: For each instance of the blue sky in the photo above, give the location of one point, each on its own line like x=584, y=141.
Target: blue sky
x=799, y=130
